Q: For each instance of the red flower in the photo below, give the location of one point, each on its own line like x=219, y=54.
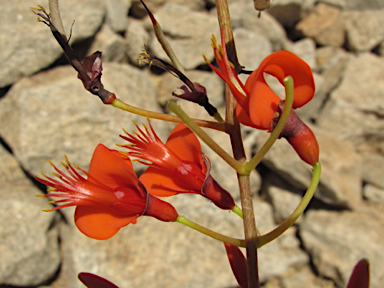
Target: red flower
x=179, y=166
x=258, y=106
x=110, y=198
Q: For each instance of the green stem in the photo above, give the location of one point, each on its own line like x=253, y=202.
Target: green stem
x=288, y=81
x=210, y=233
x=238, y=211
x=298, y=211
x=204, y=136
x=161, y=116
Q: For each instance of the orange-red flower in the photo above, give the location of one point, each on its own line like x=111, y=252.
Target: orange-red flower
x=257, y=104
x=110, y=198
x=179, y=166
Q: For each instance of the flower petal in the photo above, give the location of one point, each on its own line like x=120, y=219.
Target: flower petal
x=111, y=168
x=100, y=223
x=263, y=101
x=159, y=183
x=184, y=143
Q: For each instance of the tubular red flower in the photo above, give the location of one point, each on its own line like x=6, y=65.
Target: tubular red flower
x=257, y=104
x=110, y=198
x=179, y=166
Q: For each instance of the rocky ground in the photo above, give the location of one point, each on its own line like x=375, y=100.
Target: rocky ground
x=45, y=113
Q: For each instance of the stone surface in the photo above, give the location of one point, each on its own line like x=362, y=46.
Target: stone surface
x=111, y=44
x=283, y=197
x=289, y=12
x=355, y=108
x=364, y=29
x=136, y=36
x=324, y=24
x=244, y=15
x=374, y=194
x=117, y=14
x=29, y=242
x=340, y=182
x=355, y=4
x=27, y=46
x=188, y=38
x=337, y=240
x=79, y=123
x=251, y=48
x=373, y=168
x=331, y=63
x=306, y=50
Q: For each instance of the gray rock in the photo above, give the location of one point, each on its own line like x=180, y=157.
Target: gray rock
x=374, y=194
x=251, y=48
x=111, y=44
x=354, y=110
x=324, y=24
x=244, y=15
x=282, y=196
x=331, y=62
x=135, y=38
x=373, y=169
x=364, y=29
x=306, y=50
x=139, y=11
x=117, y=14
x=277, y=257
x=29, y=242
x=341, y=177
x=189, y=38
x=61, y=117
x=28, y=46
x=289, y=12
x=337, y=240
x=303, y=278
x=355, y=4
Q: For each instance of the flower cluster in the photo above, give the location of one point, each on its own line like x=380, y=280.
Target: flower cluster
x=111, y=196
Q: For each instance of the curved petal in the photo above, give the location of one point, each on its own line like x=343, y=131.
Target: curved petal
x=184, y=143
x=263, y=101
x=100, y=223
x=111, y=168
x=160, y=183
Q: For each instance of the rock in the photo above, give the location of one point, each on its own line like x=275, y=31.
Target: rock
x=283, y=197
x=27, y=46
x=301, y=277
x=244, y=15
x=135, y=37
x=188, y=38
x=117, y=14
x=324, y=24
x=340, y=183
x=306, y=50
x=373, y=169
x=139, y=11
x=364, y=29
x=355, y=4
x=355, y=108
x=261, y=48
x=337, y=240
x=112, y=45
x=374, y=194
x=29, y=240
x=61, y=117
x=289, y=12
x=281, y=254
x=331, y=62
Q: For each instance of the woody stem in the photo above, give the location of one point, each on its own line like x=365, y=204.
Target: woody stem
x=233, y=128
